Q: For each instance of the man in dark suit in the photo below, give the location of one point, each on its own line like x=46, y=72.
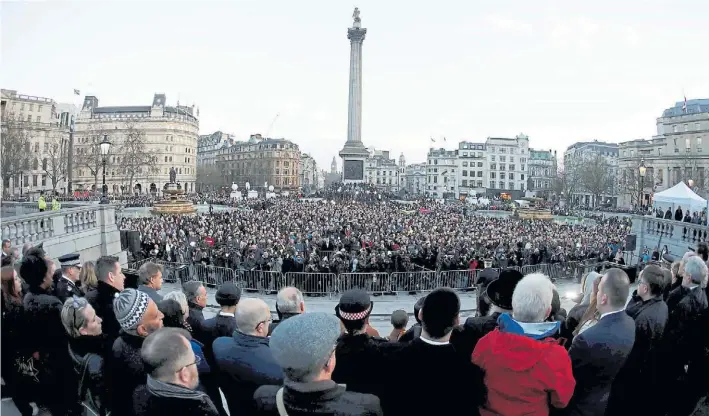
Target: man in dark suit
x=68, y=284
x=598, y=353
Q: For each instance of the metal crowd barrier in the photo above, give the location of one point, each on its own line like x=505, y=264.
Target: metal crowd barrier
x=313, y=283
x=135, y=265
x=371, y=282
x=379, y=283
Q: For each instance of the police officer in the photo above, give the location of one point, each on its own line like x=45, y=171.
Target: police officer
x=68, y=285
x=41, y=203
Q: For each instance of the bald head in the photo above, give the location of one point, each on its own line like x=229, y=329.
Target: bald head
x=253, y=317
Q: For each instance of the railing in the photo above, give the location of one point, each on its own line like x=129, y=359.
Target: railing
x=676, y=230
x=329, y=284
x=40, y=226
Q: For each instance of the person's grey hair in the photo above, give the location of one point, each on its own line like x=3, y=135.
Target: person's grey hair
x=531, y=299
x=72, y=316
x=178, y=297
x=191, y=289
x=616, y=287
x=696, y=269
x=289, y=299
x=164, y=353
x=147, y=271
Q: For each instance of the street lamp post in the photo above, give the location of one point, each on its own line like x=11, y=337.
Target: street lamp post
x=642, y=170
x=105, y=149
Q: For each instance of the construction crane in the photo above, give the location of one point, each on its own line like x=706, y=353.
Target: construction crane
x=270, y=127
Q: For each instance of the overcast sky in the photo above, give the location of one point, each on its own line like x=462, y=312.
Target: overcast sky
x=464, y=70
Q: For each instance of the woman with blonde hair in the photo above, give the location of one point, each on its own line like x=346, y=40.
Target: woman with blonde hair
x=579, y=314
x=87, y=276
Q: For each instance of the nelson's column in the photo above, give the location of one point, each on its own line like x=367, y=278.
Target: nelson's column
x=354, y=153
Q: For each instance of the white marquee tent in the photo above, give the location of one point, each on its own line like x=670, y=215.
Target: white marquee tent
x=679, y=196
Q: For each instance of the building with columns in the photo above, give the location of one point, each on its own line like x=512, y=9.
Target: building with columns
x=678, y=153
x=146, y=142
x=261, y=160
x=43, y=124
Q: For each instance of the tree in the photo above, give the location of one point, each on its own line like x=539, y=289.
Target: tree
x=566, y=183
x=88, y=154
x=136, y=157
x=15, y=148
x=596, y=176
x=635, y=186
x=56, y=159
x=209, y=178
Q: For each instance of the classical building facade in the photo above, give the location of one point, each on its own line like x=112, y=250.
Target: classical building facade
x=678, y=153
x=308, y=173
x=580, y=153
x=261, y=161
x=146, y=142
x=415, y=181
x=209, y=177
x=381, y=171
x=441, y=173
x=507, y=165
x=472, y=168
x=541, y=166
x=43, y=128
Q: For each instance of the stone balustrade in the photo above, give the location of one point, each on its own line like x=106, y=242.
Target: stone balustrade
x=86, y=229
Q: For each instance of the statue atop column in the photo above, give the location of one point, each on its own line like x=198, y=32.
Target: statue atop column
x=356, y=18
x=173, y=174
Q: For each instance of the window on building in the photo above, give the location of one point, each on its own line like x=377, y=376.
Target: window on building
x=501, y=184
x=521, y=176
x=502, y=175
x=492, y=184
x=503, y=159
x=699, y=144
x=465, y=182
x=512, y=176
x=687, y=143
x=44, y=180
x=480, y=164
x=492, y=175
x=435, y=179
x=39, y=119
x=492, y=158
x=465, y=173
x=29, y=118
x=493, y=166
x=435, y=161
x=44, y=164
x=31, y=107
x=660, y=176
x=686, y=127
x=170, y=159
x=512, y=185
x=512, y=167
x=521, y=167
x=465, y=164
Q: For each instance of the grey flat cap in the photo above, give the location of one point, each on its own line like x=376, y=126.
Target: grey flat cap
x=302, y=344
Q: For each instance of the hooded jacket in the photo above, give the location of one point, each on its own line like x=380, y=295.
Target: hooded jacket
x=525, y=370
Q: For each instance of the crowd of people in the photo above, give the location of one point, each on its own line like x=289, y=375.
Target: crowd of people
x=78, y=340
x=351, y=236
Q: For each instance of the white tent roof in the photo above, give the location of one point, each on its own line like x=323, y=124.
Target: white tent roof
x=679, y=195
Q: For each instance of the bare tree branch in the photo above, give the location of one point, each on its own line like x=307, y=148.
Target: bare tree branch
x=56, y=159
x=14, y=148
x=136, y=157
x=596, y=176
x=88, y=154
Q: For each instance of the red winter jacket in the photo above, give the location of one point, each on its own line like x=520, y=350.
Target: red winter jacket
x=523, y=375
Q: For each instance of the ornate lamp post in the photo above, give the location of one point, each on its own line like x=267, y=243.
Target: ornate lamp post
x=105, y=149
x=642, y=170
